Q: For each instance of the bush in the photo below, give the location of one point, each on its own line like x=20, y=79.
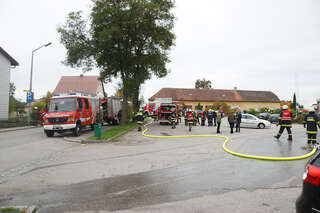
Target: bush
x=264, y=109
x=252, y=111
x=300, y=118
x=215, y=106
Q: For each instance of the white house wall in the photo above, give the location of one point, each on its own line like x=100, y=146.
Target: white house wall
x=4, y=87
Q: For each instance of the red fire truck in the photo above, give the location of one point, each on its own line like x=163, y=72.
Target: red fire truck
x=165, y=110
x=151, y=109
x=111, y=108
x=70, y=112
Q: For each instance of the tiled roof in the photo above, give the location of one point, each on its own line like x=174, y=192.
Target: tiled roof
x=86, y=84
x=216, y=95
x=13, y=62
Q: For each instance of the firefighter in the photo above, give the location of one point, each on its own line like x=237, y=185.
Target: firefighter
x=41, y=115
x=190, y=118
x=140, y=119
x=210, y=117
x=285, y=119
x=179, y=115
x=173, y=120
x=185, y=118
x=311, y=121
x=202, y=118
x=195, y=119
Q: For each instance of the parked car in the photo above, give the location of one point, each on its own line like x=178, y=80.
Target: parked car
x=274, y=118
x=252, y=121
x=309, y=200
x=264, y=116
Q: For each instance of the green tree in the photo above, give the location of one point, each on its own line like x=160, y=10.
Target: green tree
x=225, y=107
x=47, y=97
x=294, y=102
x=202, y=84
x=184, y=107
x=199, y=107
x=12, y=100
x=127, y=39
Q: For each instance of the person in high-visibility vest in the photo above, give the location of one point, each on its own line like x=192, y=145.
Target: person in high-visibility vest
x=311, y=121
x=285, y=122
x=140, y=119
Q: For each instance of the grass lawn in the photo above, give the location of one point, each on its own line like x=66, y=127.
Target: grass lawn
x=11, y=210
x=114, y=131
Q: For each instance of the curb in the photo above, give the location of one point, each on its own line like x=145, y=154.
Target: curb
x=17, y=128
x=109, y=139
x=28, y=209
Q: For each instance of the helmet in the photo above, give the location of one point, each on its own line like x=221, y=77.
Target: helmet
x=285, y=107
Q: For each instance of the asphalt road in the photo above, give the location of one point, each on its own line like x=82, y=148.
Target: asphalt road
x=158, y=175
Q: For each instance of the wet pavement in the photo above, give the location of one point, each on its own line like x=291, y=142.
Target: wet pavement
x=217, y=174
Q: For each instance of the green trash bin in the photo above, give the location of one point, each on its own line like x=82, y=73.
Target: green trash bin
x=97, y=130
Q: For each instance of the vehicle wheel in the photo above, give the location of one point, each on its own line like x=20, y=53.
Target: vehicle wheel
x=49, y=133
x=261, y=126
x=76, y=130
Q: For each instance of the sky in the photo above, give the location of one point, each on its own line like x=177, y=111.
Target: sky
x=271, y=45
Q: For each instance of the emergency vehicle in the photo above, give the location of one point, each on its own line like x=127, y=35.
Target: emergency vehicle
x=165, y=111
x=70, y=112
x=111, y=108
x=151, y=109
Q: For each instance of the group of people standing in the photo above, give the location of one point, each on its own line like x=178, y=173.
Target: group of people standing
x=214, y=118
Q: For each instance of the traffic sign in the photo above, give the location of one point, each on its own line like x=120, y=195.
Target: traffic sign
x=29, y=97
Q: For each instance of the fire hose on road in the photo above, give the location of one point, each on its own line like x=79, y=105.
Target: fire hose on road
x=224, y=146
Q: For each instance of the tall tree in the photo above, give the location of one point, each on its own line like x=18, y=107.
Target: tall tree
x=47, y=97
x=294, y=102
x=202, y=84
x=12, y=100
x=130, y=39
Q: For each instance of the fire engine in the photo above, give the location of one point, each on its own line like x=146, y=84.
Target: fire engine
x=111, y=108
x=70, y=112
x=151, y=109
x=165, y=110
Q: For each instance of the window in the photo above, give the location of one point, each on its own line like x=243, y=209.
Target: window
x=79, y=104
x=86, y=103
x=62, y=105
x=250, y=117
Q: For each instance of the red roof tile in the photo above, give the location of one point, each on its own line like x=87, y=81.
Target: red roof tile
x=216, y=95
x=86, y=84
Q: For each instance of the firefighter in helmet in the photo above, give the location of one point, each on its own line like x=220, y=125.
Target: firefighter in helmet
x=311, y=121
x=140, y=119
x=173, y=119
x=285, y=122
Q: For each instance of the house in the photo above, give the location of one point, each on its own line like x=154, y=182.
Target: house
x=6, y=64
x=245, y=99
x=89, y=85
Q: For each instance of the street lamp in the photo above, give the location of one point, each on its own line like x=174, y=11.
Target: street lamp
x=30, y=90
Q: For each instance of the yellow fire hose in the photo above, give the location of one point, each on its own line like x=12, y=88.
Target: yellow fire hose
x=224, y=146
